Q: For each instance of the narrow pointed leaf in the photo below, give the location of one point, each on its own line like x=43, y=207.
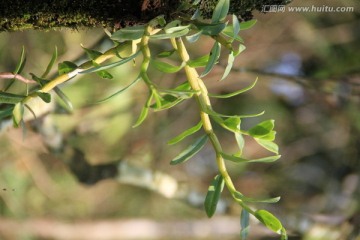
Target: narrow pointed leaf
x=165, y=67
x=51, y=63
x=190, y=151
x=213, y=59
x=193, y=38
x=235, y=25
x=46, y=97
x=144, y=111
x=167, y=101
x=213, y=195
x=237, y=159
x=21, y=63
x=262, y=128
x=186, y=133
x=269, y=145
x=229, y=95
x=240, y=142
x=10, y=98
x=129, y=33
x=30, y=110
x=229, y=65
x=247, y=24
x=92, y=54
x=104, y=74
x=269, y=220
x=199, y=62
x=180, y=33
x=120, y=91
x=229, y=32
x=166, y=54
x=210, y=29
x=241, y=197
x=111, y=65
x=176, y=28
x=68, y=105
x=18, y=114
x=244, y=224
x=221, y=11
x=66, y=67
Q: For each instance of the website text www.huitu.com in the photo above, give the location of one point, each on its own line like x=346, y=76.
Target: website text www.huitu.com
x=313, y=8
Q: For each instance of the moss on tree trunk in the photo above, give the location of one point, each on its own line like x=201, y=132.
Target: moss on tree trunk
x=50, y=14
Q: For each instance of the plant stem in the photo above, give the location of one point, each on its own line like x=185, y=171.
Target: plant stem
x=204, y=103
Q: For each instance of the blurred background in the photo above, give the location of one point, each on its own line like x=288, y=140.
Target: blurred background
x=90, y=175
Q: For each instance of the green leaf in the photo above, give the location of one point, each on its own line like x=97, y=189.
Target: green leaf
x=190, y=151
x=247, y=24
x=185, y=134
x=167, y=102
x=229, y=32
x=19, y=67
x=245, y=224
x=269, y=220
x=51, y=63
x=240, y=50
x=65, y=99
x=176, y=29
x=166, y=67
x=229, y=65
x=30, y=110
x=21, y=63
x=104, y=74
x=10, y=98
x=120, y=91
x=221, y=11
x=193, y=38
x=210, y=29
x=232, y=123
x=214, y=57
x=240, y=141
x=269, y=145
x=92, y=54
x=18, y=113
x=7, y=112
x=180, y=33
x=66, y=67
x=241, y=197
x=196, y=15
x=237, y=159
x=262, y=129
x=213, y=195
x=111, y=65
x=46, y=97
x=144, y=111
x=199, y=62
x=229, y=95
x=235, y=25
x=166, y=54
x=129, y=33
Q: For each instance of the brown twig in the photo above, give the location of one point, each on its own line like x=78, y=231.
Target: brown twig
x=9, y=75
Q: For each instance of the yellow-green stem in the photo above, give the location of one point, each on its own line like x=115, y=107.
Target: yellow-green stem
x=204, y=102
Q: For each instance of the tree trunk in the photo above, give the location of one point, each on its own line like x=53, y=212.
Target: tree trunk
x=51, y=14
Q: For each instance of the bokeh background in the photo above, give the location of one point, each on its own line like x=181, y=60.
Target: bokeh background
x=90, y=175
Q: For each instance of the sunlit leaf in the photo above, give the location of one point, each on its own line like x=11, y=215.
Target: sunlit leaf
x=221, y=10
x=193, y=38
x=213, y=59
x=129, y=33
x=120, y=91
x=66, y=67
x=111, y=65
x=229, y=95
x=232, y=123
x=240, y=141
x=144, y=111
x=229, y=65
x=51, y=63
x=18, y=113
x=244, y=224
x=269, y=220
x=165, y=67
x=235, y=25
x=46, y=97
x=21, y=63
x=196, y=15
x=237, y=159
x=210, y=29
x=199, y=62
x=213, y=195
x=247, y=24
x=92, y=54
x=262, y=128
x=166, y=54
x=243, y=198
x=10, y=98
x=104, y=74
x=186, y=133
x=190, y=151
x=167, y=101
x=229, y=32
x=176, y=29
x=240, y=50
x=269, y=145
x=65, y=99
x=180, y=33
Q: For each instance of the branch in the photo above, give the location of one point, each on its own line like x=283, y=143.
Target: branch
x=9, y=75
